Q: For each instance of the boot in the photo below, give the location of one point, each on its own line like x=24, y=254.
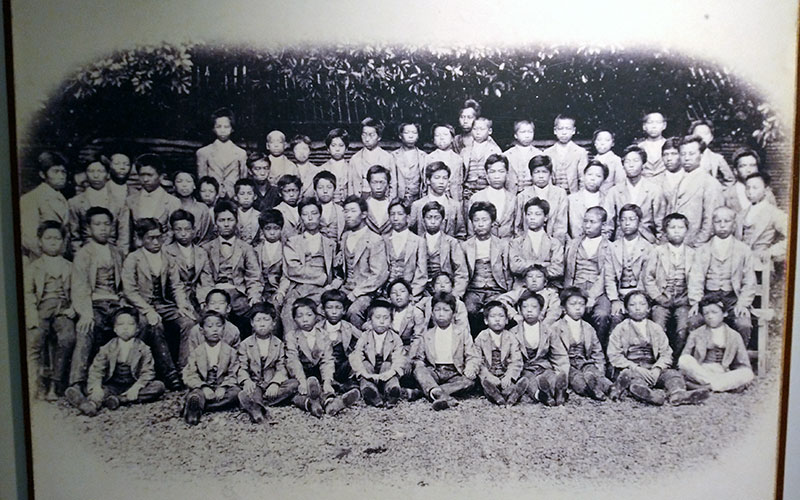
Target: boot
x=492, y=393
x=621, y=385
x=412, y=394
x=111, y=402
x=371, y=396
x=647, y=395
x=194, y=409
x=517, y=391
x=560, y=389
x=337, y=404
x=692, y=397
x=74, y=395
x=543, y=395
x=393, y=396
x=314, y=390
x=593, y=387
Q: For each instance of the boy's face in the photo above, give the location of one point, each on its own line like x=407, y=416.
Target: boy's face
x=442, y=138
x=496, y=174
x=629, y=222
x=633, y=165
x=184, y=185
x=212, y=330
x=183, y=231
x=290, y=194
x=575, y=307
x=334, y=311
x=378, y=186
x=272, y=232
x=746, y=166
x=226, y=224
x=637, y=306
x=216, y=302
x=535, y=217
x=260, y=171
x=400, y=296
x=481, y=130
x=535, y=280
x=370, y=137
x=301, y=152
x=704, y=132
x=690, y=156
x=51, y=242
x=540, y=177
x=714, y=315
x=672, y=159
x=723, y=222
x=654, y=125
x=276, y=144
x=310, y=216
x=381, y=318
x=96, y=175
x=263, y=325
x=100, y=228
x=353, y=216
x=398, y=218
x=337, y=148
x=443, y=284
x=439, y=181
x=530, y=310
x=245, y=196
x=324, y=191
x=482, y=223
x=524, y=134
x=593, y=178
x=120, y=167
x=306, y=318
x=223, y=128
x=55, y=177
x=208, y=194
x=152, y=240
x=442, y=314
x=432, y=221
x=466, y=119
x=755, y=189
x=409, y=135
x=496, y=319
x=603, y=142
x=150, y=178
x=125, y=326
x=676, y=231
x=564, y=130
x=592, y=224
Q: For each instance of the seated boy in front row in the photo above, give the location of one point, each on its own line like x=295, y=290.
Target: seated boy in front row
x=210, y=373
x=544, y=357
x=262, y=368
x=379, y=358
x=534, y=281
x=343, y=337
x=445, y=360
x=639, y=350
x=122, y=371
x=501, y=360
x=715, y=354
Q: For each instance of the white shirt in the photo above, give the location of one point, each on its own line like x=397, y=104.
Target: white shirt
x=311, y=339
x=155, y=262
x=327, y=211
x=399, y=239
x=379, y=210
x=741, y=194
x=535, y=237
x=432, y=241
x=399, y=317
x=591, y=199
x=590, y=245
x=641, y=328
x=672, y=179
x=271, y=250
x=443, y=345
x=333, y=330
x=151, y=204
x=497, y=197
x=353, y=238
x=629, y=245
x=675, y=252
x=532, y=334
x=575, y=330
x=213, y=354
x=721, y=247
x=97, y=197
x=718, y=336
x=263, y=346
x=226, y=246
x=313, y=243
x=483, y=248
x=496, y=337
x=186, y=252
x=636, y=192
x=380, y=338
x=124, y=350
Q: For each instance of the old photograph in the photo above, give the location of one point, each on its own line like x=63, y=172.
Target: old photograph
x=407, y=266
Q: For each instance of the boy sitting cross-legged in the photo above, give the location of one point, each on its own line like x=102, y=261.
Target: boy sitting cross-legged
x=534, y=280
x=501, y=358
x=210, y=373
x=379, y=358
x=262, y=369
x=342, y=335
x=638, y=348
x=544, y=357
x=445, y=360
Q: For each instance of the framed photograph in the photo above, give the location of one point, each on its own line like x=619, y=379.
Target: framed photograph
x=404, y=250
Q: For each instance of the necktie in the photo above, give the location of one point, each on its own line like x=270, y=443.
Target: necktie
x=211, y=377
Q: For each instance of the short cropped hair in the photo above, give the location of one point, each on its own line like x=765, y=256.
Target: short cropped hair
x=150, y=160
x=693, y=138
x=270, y=216
x=377, y=170
x=520, y=123
x=225, y=206
x=48, y=159
x=436, y=166
x=631, y=207
x=495, y=158
x=244, y=182
x=254, y=158
x=485, y=120
x=211, y=314
x=379, y=304
x=373, y=123
x=743, y=152
x=51, y=224
x=308, y=201
x=432, y=205
x=698, y=123
x=181, y=214
x=527, y=294
x=493, y=304
x=95, y=211
x=334, y=296
x=564, y=116
x=444, y=298
x=398, y=281
x=207, y=179
x=759, y=175
x=361, y=202
x=571, y=291
x=325, y=175
x=223, y=113
x=595, y=163
x=341, y=134
x=303, y=302
x=671, y=143
x=145, y=225
x=288, y=179
x=600, y=131
x=408, y=124
x=262, y=308
x=483, y=206
x=537, y=202
x=540, y=161
x=130, y=311
x=220, y=291
x=635, y=149
x=397, y=202
x=598, y=210
x=445, y=274
x=674, y=216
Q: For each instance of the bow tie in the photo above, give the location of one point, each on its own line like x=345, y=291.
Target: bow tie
x=229, y=243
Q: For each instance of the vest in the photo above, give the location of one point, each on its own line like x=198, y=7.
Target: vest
x=483, y=278
x=587, y=269
x=641, y=354
x=714, y=354
x=105, y=281
x=718, y=275
x=123, y=375
x=497, y=369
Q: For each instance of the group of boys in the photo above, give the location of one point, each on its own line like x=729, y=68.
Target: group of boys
x=399, y=275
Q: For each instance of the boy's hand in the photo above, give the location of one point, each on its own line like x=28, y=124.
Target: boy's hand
x=219, y=393
x=694, y=310
x=644, y=373
x=655, y=373
x=253, y=300
x=385, y=376
x=505, y=383
x=248, y=387
x=617, y=308
x=278, y=298
x=187, y=312
x=662, y=300
x=272, y=391
x=152, y=318
x=740, y=311
x=302, y=389
x=85, y=325
x=208, y=392
x=132, y=394
x=327, y=388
